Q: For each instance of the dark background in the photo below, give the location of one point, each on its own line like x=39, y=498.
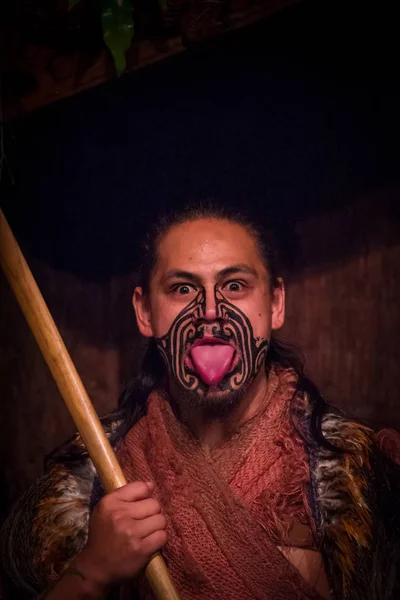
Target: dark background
x=296, y=119
x=294, y=115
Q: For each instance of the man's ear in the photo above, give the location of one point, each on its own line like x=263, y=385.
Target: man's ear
x=141, y=305
x=278, y=305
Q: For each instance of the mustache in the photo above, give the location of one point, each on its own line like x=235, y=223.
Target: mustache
x=215, y=332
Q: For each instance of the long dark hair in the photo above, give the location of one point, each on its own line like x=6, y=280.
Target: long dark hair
x=133, y=402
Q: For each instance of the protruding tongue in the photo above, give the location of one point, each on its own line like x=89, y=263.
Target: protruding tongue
x=212, y=361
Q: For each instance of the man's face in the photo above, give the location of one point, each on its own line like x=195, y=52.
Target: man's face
x=210, y=309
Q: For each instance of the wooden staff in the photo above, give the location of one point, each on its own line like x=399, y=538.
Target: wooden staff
x=70, y=385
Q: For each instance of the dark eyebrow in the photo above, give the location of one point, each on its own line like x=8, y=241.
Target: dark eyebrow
x=177, y=274
x=235, y=270
x=227, y=272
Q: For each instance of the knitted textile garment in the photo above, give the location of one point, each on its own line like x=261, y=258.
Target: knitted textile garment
x=354, y=497
x=222, y=539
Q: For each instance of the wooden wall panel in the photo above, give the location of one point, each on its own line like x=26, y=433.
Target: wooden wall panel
x=343, y=305
x=346, y=320
x=96, y=322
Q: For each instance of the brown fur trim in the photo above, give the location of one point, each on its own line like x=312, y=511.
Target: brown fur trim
x=342, y=486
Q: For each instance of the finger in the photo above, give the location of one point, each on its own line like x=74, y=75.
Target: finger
x=146, y=527
x=154, y=542
x=131, y=492
x=144, y=508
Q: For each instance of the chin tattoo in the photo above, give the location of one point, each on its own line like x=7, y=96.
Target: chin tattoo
x=231, y=326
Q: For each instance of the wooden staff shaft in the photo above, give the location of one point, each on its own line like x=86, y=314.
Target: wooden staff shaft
x=70, y=385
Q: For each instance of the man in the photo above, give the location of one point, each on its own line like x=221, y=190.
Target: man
x=252, y=487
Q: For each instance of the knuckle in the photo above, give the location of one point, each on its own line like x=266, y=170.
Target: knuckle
x=134, y=545
x=157, y=506
x=162, y=537
x=153, y=506
x=115, y=519
x=141, y=488
x=119, y=527
x=156, y=541
x=162, y=521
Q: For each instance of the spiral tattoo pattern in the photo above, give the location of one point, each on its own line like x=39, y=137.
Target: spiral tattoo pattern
x=231, y=325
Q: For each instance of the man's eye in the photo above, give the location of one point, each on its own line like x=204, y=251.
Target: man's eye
x=233, y=286
x=183, y=289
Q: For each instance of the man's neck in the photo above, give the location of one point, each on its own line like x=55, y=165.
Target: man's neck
x=214, y=431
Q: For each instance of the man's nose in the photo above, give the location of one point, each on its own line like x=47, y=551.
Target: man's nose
x=208, y=310
x=210, y=305
x=210, y=313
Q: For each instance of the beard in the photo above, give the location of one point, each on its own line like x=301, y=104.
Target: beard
x=213, y=404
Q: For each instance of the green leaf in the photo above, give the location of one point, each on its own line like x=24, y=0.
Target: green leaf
x=118, y=29
x=72, y=3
